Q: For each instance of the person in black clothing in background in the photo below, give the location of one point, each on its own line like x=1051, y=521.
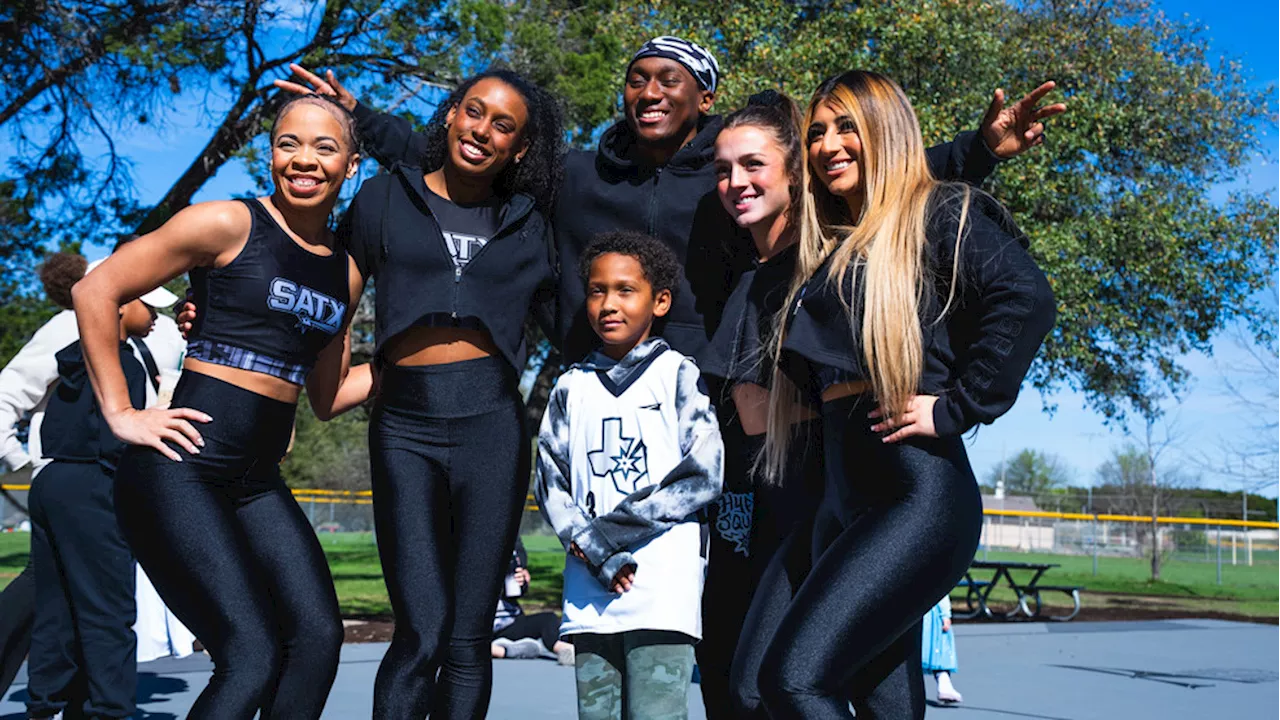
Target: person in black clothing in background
x=83, y=646
x=18, y=600
x=914, y=314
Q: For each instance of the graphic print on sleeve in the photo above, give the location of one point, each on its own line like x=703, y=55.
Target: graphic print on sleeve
x=620, y=458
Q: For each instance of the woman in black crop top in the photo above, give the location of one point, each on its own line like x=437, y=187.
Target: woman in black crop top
x=205, y=510
x=460, y=249
x=914, y=313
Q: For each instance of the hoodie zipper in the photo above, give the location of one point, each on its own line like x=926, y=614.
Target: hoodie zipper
x=653, y=200
x=504, y=228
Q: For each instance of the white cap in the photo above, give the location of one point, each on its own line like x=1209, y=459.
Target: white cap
x=158, y=298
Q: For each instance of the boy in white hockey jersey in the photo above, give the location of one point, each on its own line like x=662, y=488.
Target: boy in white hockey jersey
x=629, y=452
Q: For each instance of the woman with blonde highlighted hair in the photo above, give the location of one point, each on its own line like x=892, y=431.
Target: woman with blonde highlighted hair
x=914, y=314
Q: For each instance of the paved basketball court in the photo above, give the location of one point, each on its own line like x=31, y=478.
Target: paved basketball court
x=1071, y=671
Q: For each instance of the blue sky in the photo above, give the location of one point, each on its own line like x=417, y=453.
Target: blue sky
x=1206, y=417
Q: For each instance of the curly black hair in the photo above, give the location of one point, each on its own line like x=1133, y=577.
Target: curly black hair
x=59, y=273
x=659, y=263
x=539, y=172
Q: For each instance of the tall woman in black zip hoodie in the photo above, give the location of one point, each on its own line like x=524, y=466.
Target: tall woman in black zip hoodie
x=459, y=247
x=914, y=314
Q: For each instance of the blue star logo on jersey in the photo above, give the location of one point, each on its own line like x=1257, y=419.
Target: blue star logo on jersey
x=621, y=459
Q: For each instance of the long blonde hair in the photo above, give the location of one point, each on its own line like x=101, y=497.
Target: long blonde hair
x=886, y=242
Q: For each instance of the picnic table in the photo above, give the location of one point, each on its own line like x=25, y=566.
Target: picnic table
x=1028, y=592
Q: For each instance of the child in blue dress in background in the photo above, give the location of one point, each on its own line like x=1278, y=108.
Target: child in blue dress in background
x=938, y=653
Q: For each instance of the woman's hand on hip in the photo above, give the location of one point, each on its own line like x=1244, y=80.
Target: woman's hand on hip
x=154, y=427
x=916, y=421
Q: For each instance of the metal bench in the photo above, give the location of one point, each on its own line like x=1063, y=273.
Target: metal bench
x=972, y=597
x=1072, y=590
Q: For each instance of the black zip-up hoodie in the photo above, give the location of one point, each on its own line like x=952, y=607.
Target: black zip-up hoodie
x=608, y=190
x=74, y=429
x=393, y=238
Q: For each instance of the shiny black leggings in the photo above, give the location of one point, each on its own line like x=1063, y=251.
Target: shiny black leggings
x=233, y=556
x=451, y=467
x=734, y=570
x=836, y=619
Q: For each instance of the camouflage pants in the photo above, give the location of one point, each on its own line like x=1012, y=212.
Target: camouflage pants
x=635, y=675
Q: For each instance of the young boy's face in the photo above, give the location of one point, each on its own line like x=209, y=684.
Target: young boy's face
x=136, y=320
x=621, y=303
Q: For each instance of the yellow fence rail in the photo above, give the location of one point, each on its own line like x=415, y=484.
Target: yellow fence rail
x=365, y=497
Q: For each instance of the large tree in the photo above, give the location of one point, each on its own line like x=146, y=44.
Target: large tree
x=1030, y=472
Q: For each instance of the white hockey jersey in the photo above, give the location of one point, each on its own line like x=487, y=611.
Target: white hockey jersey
x=628, y=454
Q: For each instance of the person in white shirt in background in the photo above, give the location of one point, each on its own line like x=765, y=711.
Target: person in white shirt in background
x=26, y=384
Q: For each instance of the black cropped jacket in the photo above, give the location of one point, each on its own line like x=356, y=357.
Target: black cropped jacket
x=395, y=241
x=977, y=354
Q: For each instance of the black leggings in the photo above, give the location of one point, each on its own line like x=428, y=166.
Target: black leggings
x=450, y=474
x=836, y=618
x=544, y=626
x=233, y=556
x=749, y=523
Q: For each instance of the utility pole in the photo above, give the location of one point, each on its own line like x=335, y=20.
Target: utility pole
x=1155, y=505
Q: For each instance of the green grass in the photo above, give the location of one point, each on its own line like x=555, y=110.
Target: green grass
x=1252, y=591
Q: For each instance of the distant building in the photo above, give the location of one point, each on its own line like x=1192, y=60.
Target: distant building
x=1021, y=503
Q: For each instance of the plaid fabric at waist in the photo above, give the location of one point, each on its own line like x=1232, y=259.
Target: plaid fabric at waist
x=237, y=357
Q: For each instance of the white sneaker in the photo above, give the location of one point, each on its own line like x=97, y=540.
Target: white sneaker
x=522, y=649
x=947, y=693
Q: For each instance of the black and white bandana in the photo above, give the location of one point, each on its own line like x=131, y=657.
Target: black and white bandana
x=693, y=56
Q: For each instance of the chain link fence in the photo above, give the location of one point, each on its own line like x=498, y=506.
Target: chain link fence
x=1213, y=541
x=1100, y=536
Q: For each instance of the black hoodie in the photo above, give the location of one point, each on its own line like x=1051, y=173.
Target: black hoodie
x=73, y=429
x=394, y=239
x=608, y=190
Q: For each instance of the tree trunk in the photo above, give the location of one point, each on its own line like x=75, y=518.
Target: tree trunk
x=241, y=124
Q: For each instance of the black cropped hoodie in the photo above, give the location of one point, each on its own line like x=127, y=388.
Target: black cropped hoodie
x=395, y=240
x=978, y=354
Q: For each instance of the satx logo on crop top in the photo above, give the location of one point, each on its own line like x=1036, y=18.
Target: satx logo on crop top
x=312, y=308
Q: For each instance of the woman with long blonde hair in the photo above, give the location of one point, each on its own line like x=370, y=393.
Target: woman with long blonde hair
x=914, y=314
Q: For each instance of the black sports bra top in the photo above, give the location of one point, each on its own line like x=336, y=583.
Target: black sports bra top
x=273, y=308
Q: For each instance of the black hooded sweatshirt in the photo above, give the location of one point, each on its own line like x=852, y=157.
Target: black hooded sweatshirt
x=74, y=429
x=609, y=190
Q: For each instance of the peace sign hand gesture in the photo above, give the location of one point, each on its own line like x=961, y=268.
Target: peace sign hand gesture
x=1011, y=131
x=328, y=86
